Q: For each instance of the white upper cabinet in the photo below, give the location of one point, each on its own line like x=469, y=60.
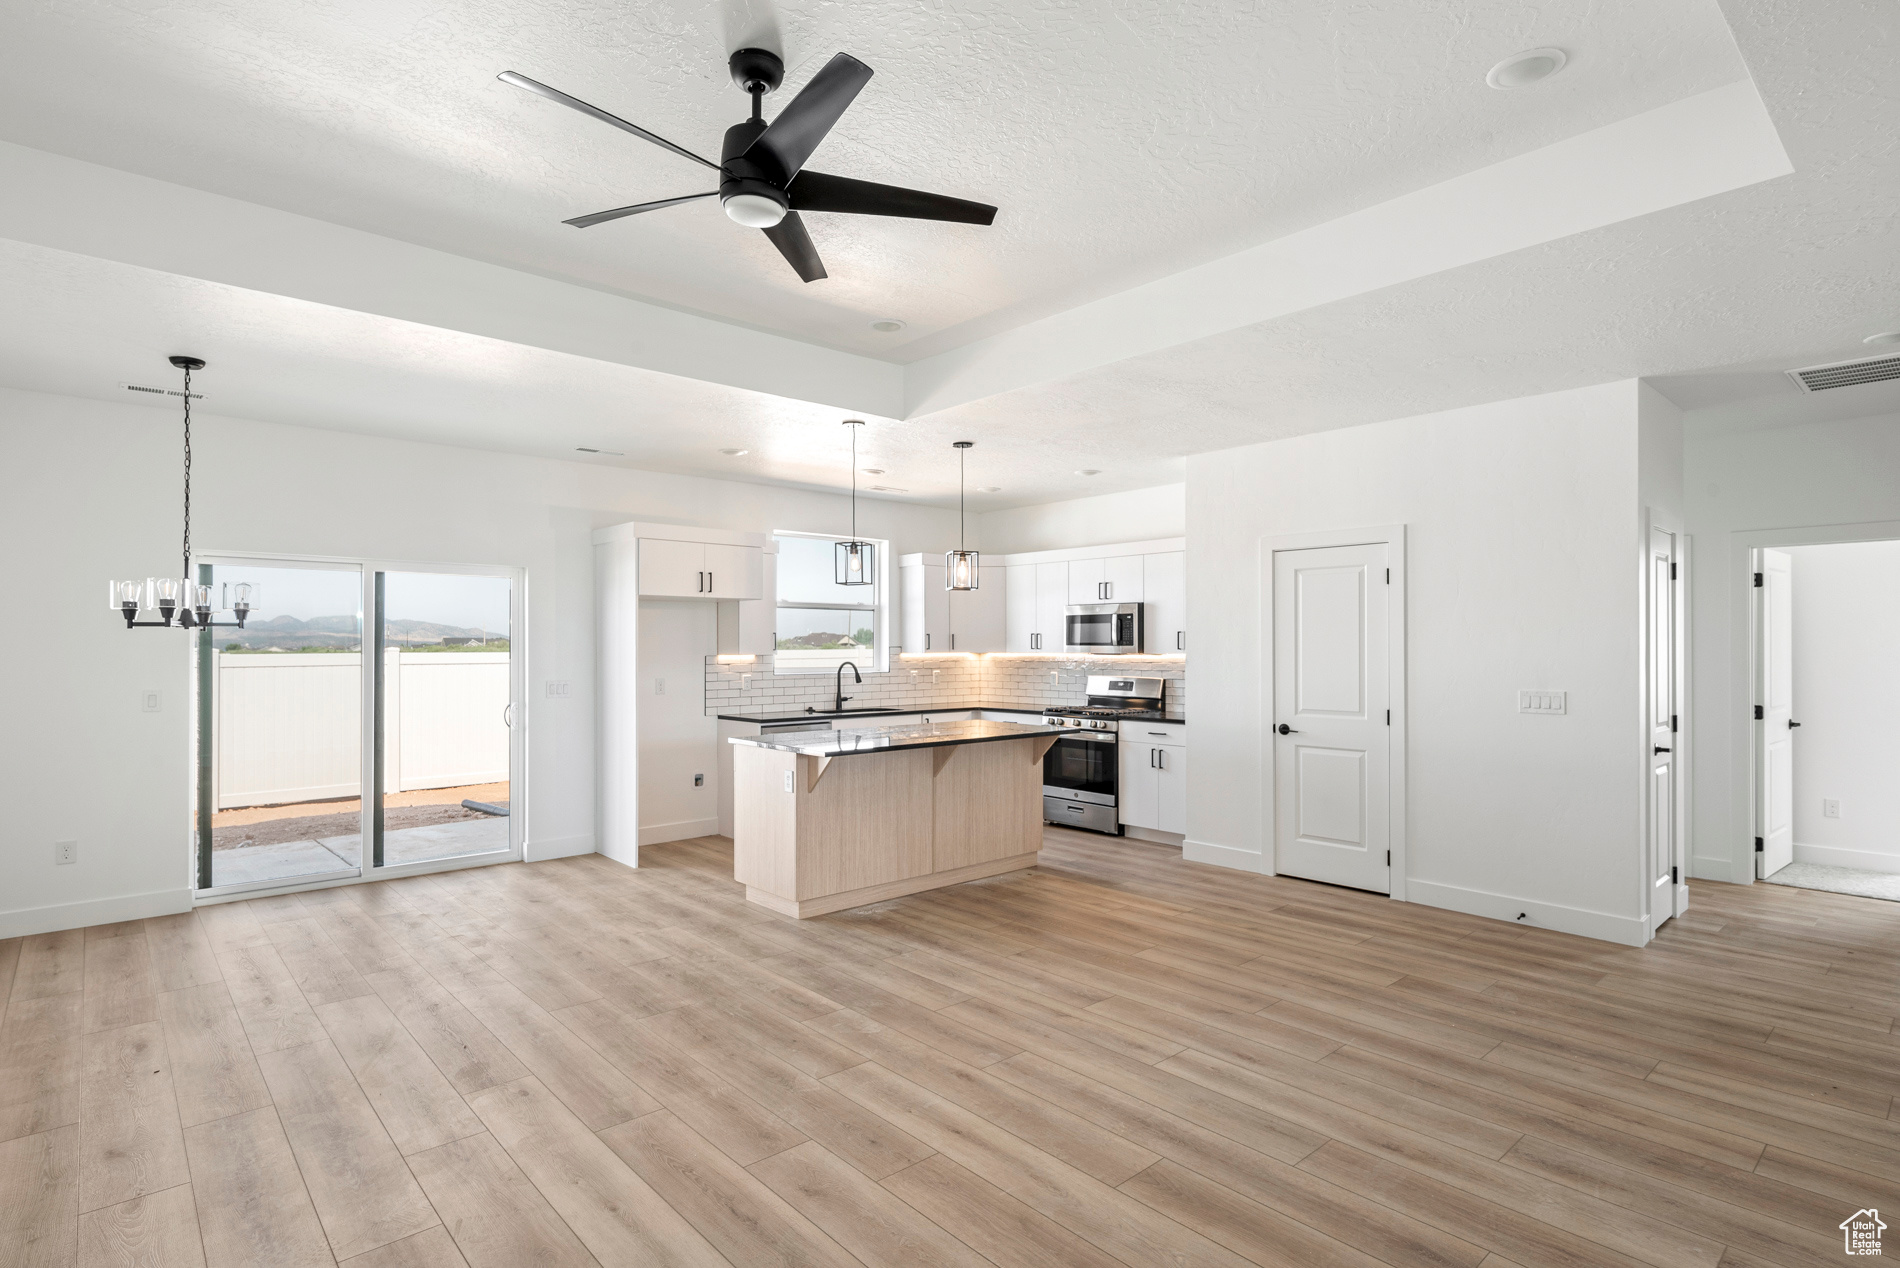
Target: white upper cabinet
x=940, y=620
x=1052, y=601
x=977, y=622
x=1114, y=580
x=1019, y=608
x=1164, y=614
x=749, y=626
x=1085, y=580
x=700, y=570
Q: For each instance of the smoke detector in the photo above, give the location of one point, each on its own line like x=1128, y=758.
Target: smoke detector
x=1820, y=378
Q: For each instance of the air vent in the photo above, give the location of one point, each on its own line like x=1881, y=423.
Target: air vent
x=143, y=390
x=1819, y=378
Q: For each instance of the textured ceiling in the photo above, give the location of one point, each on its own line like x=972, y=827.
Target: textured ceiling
x=1123, y=140
x=1710, y=299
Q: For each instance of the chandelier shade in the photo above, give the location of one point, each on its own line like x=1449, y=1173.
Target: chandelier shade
x=857, y=559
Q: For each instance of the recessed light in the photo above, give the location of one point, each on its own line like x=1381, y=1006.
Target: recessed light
x=887, y=325
x=1089, y=471
x=735, y=453
x=1885, y=336
x=1523, y=69
x=991, y=488
x=873, y=470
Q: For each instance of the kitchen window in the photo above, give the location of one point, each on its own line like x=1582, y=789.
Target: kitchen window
x=822, y=624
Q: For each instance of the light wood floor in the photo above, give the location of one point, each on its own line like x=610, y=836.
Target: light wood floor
x=1119, y=1058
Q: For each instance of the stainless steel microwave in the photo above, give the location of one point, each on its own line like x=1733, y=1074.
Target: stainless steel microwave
x=1102, y=629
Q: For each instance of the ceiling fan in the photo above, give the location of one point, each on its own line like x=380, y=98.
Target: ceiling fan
x=763, y=181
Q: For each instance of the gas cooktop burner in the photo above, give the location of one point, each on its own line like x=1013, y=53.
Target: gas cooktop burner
x=1084, y=711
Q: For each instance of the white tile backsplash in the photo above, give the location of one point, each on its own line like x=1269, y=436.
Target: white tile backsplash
x=961, y=682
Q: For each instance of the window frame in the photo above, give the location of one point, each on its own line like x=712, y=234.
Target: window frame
x=814, y=663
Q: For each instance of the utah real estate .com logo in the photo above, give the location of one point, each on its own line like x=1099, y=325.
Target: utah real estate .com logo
x=1861, y=1230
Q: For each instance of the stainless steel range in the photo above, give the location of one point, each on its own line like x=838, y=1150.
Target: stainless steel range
x=1081, y=772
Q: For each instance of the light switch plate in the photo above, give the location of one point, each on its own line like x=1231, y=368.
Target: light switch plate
x=557, y=689
x=1542, y=701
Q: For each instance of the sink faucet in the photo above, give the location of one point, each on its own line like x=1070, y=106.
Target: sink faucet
x=855, y=677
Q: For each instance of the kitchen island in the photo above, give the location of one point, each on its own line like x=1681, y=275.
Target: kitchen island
x=825, y=820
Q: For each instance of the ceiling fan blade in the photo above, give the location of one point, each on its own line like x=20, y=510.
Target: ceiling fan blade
x=789, y=236
x=575, y=103
x=816, y=191
x=583, y=222
x=806, y=119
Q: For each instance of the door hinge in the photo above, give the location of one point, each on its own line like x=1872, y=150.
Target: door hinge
x=1757, y=713
x=1672, y=722
x=1388, y=717
x=1758, y=848
x=1388, y=858
x=1388, y=576
x=1675, y=876
x=1672, y=571
x=1758, y=581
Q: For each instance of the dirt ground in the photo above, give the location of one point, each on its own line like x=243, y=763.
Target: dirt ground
x=305, y=821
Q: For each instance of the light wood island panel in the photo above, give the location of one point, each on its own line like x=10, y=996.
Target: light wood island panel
x=820, y=834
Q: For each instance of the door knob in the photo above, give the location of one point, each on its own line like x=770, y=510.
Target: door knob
x=1284, y=729
x=1660, y=749
x=1792, y=724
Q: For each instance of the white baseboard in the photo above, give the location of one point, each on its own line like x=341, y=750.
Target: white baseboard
x=94, y=911
x=1222, y=856
x=661, y=833
x=1841, y=856
x=1630, y=931
x=543, y=848
x=1153, y=834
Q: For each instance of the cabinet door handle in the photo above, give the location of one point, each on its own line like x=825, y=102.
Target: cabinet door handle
x=709, y=583
x=1180, y=640
x=926, y=642
x=953, y=642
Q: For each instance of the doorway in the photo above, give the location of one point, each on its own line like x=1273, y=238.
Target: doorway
x=362, y=724
x=1334, y=711
x=1827, y=730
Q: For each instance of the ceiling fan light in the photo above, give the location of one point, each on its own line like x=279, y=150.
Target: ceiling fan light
x=754, y=211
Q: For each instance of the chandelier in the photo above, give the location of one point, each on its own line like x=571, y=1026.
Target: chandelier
x=179, y=596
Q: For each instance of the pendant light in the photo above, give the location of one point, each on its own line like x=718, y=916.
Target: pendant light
x=180, y=596
x=961, y=567
x=857, y=565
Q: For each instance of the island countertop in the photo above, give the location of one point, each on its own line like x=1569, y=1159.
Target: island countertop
x=889, y=739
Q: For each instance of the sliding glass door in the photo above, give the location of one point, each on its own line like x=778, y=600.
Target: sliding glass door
x=365, y=722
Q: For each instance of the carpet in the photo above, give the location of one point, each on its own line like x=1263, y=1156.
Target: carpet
x=1840, y=880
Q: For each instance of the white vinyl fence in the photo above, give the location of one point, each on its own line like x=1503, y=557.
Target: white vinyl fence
x=290, y=724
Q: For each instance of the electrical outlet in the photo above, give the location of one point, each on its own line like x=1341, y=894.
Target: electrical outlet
x=913, y=678
x=65, y=852
x=788, y=781
x=1055, y=679
x=659, y=686
x=556, y=689
x=1542, y=701
x=699, y=781
x=150, y=701
x=936, y=676
x=1830, y=808
x=745, y=682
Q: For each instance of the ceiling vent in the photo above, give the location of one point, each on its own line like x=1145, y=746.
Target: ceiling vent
x=143, y=390
x=1819, y=378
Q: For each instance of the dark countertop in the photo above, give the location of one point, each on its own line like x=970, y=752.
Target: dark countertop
x=826, y=715
x=890, y=739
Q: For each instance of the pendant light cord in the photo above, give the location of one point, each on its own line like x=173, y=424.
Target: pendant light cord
x=187, y=573
x=854, y=484
x=962, y=454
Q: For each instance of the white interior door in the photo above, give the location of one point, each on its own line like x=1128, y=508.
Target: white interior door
x=1660, y=846
x=1774, y=699
x=1331, y=729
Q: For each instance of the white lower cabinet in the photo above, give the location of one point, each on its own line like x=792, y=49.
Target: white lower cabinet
x=1153, y=792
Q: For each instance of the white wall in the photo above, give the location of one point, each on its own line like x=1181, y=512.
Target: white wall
x=1523, y=525
x=1138, y=515
x=678, y=739
x=1764, y=486
x=92, y=494
x=1847, y=699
